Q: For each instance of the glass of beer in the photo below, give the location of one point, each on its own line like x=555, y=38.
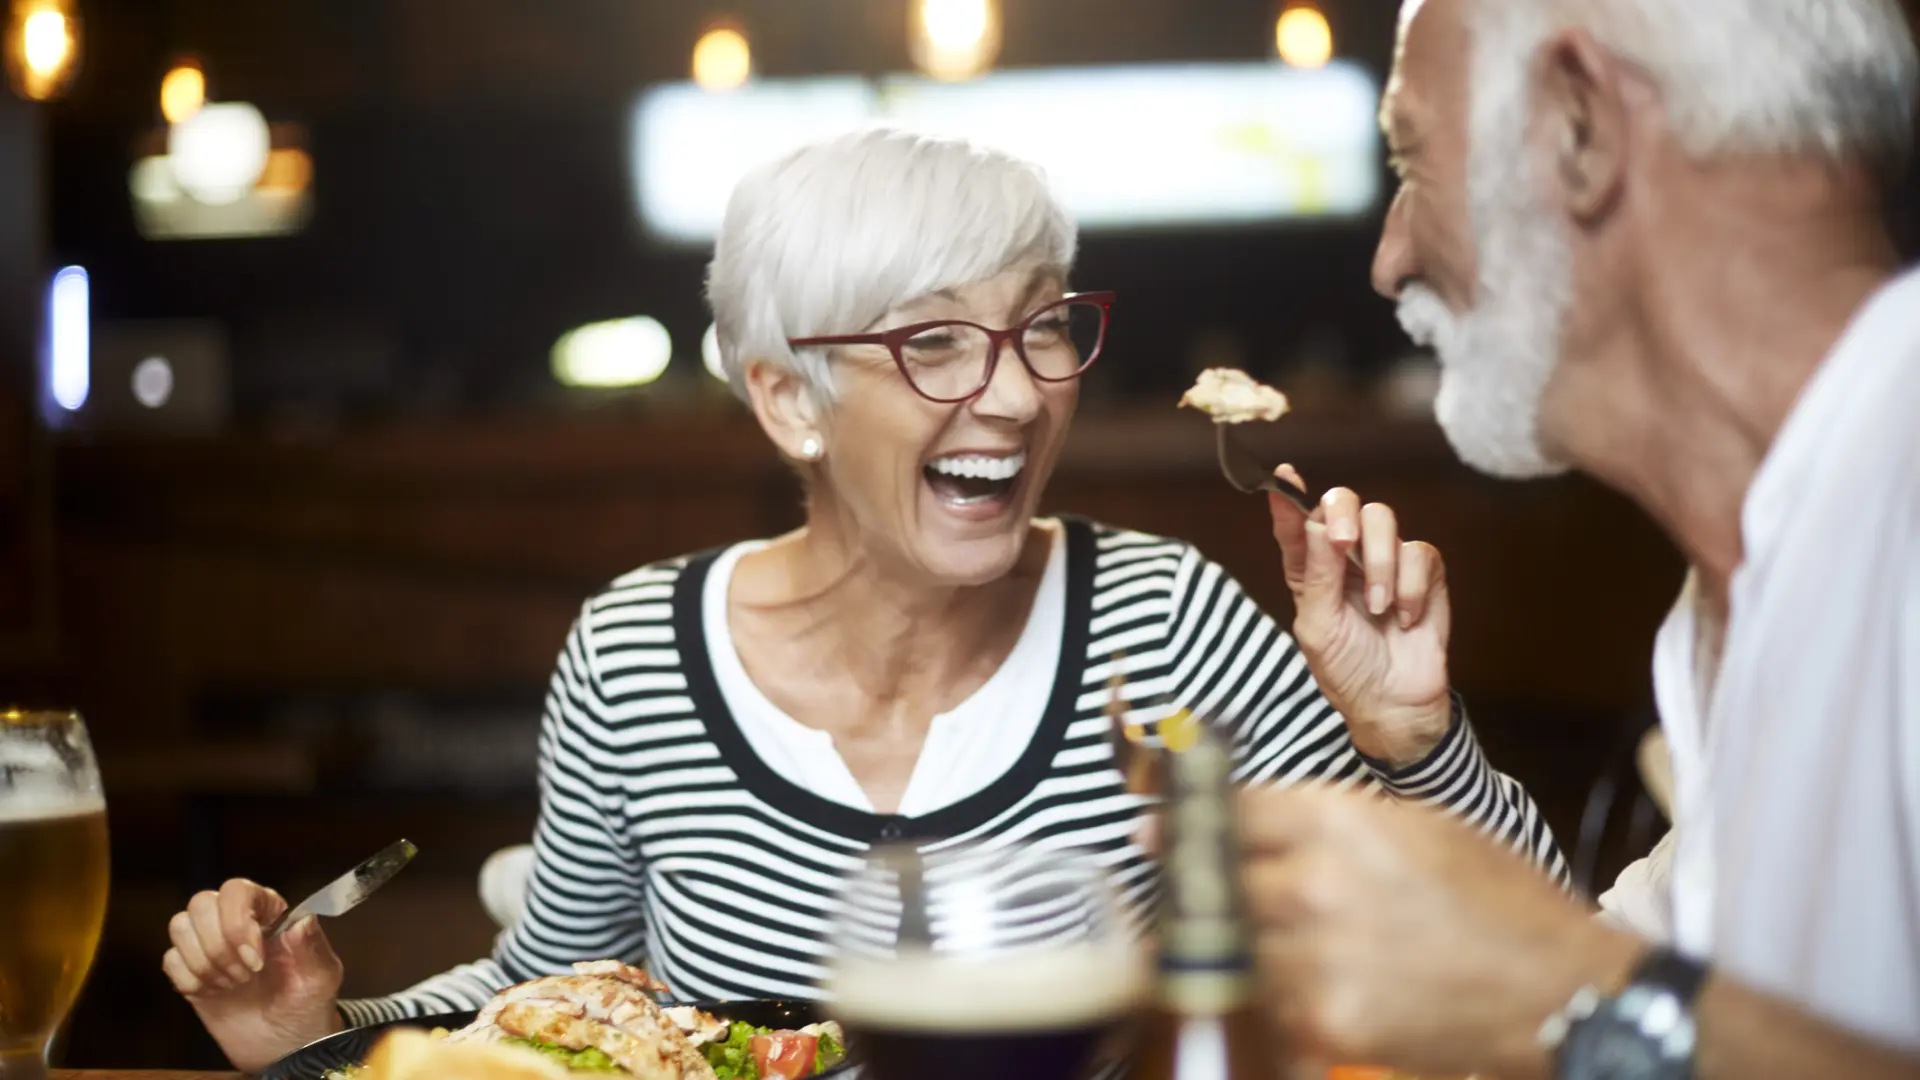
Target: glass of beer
x=961, y=964
x=53, y=879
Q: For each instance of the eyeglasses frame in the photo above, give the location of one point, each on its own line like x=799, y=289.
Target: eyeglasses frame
x=897, y=337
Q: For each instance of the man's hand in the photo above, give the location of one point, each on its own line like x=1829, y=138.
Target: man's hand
x=1392, y=934
x=1377, y=642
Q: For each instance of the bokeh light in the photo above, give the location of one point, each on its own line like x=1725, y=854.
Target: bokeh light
x=1303, y=38
x=722, y=60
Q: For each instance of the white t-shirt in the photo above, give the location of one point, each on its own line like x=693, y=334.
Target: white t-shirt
x=967, y=748
x=1795, y=860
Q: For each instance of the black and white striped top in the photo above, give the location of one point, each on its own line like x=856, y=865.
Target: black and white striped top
x=664, y=839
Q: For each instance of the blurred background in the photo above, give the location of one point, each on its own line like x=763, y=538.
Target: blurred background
x=350, y=344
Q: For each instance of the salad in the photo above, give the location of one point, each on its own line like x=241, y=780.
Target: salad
x=758, y=1053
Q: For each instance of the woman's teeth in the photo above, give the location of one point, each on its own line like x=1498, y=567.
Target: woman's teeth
x=979, y=466
x=968, y=479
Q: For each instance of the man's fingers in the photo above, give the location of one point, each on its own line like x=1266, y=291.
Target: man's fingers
x=1147, y=833
x=1278, y=819
x=1380, y=551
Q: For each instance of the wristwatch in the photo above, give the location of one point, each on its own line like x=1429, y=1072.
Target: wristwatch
x=1645, y=1032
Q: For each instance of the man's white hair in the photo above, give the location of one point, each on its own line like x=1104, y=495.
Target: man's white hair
x=828, y=238
x=1760, y=77
x=1754, y=77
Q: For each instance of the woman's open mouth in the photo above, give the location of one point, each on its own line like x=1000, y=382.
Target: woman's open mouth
x=965, y=481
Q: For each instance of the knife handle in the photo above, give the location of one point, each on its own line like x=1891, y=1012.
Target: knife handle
x=285, y=921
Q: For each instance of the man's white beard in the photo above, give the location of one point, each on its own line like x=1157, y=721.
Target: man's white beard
x=1496, y=360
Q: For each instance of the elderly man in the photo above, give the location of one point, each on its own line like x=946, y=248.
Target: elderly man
x=1646, y=238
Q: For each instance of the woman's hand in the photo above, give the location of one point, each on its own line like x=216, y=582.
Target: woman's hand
x=259, y=999
x=1377, y=642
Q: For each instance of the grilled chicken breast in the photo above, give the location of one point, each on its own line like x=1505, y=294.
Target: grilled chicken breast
x=605, y=1005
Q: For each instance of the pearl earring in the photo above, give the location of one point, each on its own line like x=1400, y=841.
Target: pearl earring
x=810, y=448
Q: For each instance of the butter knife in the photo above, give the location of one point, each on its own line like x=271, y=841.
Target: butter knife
x=349, y=889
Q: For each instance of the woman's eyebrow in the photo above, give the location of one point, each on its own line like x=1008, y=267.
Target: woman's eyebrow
x=1039, y=281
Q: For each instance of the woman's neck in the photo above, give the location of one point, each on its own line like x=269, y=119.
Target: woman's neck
x=899, y=638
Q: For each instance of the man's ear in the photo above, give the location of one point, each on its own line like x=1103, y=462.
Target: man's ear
x=1583, y=119
x=784, y=403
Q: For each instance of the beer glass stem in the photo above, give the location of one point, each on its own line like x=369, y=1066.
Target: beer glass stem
x=25, y=1061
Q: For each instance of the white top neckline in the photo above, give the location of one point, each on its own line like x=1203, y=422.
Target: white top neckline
x=967, y=748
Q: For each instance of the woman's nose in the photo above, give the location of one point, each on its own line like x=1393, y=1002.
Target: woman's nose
x=1011, y=392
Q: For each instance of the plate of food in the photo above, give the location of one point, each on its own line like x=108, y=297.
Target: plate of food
x=604, y=1020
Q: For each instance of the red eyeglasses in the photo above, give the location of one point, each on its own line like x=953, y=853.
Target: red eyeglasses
x=951, y=360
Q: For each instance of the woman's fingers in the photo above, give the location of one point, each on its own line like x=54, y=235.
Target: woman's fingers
x=1340, y=510
x=1289, y=528
x=241, y=903
x=1421, y=578
x=1380, y=552
x=221, y=952
x=178, y=973
x=186, y=943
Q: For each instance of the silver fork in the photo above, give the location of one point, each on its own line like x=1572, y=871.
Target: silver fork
x=1247, y=471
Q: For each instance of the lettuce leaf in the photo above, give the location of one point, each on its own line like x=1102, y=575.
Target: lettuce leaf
x=827, y=1053
x=588, y=1060
x=733, y=1059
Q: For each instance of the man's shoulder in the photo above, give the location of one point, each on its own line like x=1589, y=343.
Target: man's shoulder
x=1877, y=368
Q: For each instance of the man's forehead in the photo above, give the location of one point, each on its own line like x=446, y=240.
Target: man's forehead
x=1429, y=63
x=1408, y=11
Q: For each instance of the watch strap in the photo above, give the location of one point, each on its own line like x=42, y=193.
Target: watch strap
x=1670, y=971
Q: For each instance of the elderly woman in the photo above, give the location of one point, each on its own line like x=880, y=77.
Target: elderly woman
x=924, y=658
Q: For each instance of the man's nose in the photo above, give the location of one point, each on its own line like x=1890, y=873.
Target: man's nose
x=1393, y=261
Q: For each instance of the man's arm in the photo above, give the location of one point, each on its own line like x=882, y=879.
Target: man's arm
x=1390, y=934
x=1745, y=1034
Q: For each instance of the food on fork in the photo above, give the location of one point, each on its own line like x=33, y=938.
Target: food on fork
x=1231, y=396
x=604, y=1019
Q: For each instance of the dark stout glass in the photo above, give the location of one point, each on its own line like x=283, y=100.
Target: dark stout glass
x=969, y=965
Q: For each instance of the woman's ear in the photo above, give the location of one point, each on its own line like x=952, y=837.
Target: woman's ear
x=784, y=403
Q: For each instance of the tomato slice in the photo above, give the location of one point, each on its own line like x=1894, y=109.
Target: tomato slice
x=784, y=1055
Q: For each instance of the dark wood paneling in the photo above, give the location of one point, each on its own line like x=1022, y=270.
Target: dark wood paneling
x=26, y=600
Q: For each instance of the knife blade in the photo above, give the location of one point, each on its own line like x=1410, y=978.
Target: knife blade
x=349, y=889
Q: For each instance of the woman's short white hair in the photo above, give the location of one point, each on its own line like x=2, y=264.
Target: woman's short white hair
x=1762, y=77
x=829, y=238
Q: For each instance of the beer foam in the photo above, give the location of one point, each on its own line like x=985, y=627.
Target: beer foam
x=18, y=808
x=1048, y=988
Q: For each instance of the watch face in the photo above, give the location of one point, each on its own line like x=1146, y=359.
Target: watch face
x=1622, y=1053
x=1608, y=1046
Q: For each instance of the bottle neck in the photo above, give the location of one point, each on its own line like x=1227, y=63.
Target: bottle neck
x=1205, y=948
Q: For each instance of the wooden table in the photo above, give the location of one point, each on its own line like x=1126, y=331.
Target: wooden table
x=142, y=1074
